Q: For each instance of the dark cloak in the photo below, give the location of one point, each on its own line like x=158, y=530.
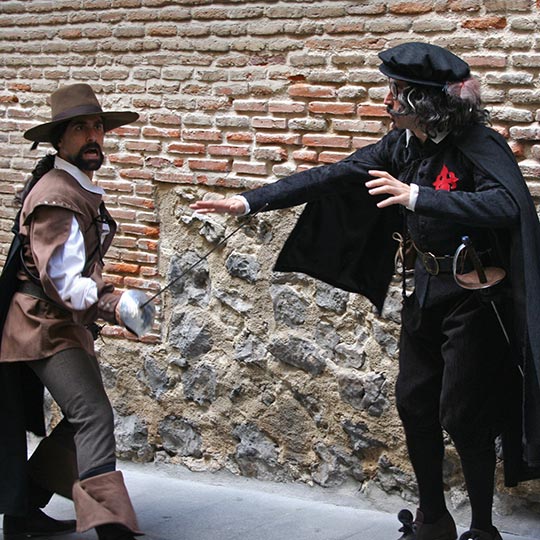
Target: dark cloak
x=346, y=241
x=21, y=400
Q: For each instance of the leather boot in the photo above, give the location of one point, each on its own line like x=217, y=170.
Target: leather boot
x=443, y=529
x=104, y=500
x=113, y=532
x=35, y=524
x=477, y=534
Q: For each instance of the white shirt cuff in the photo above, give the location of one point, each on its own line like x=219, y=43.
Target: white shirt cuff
x=413, y=197
x=247, y=208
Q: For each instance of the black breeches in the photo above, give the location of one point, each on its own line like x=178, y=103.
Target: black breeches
x=451, y=365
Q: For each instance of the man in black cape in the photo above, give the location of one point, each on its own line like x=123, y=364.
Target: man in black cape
x=469, y=360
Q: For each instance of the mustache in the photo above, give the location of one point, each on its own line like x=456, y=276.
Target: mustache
x=90, y=146
x=394, y=112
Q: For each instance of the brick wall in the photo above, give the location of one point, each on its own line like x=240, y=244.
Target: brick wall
x=234, y=94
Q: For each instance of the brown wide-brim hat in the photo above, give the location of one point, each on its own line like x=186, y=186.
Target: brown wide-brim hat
x=74, y=101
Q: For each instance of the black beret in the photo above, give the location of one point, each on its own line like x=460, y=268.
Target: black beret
x=423, y=64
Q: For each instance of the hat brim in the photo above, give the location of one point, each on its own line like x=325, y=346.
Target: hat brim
x=389, y=72
x=111, y=120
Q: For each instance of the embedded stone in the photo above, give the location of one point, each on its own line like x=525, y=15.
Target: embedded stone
x=154, y=377
x=200, y=384
x=233, y=300
x=194, y=286
x=331, y=298
x=250, y=350
x=365, y=393
x=256, y=454
x=180, y=437
x=359, y=437
x=131, y=436
x=189, y=335
x=245, y=267
x=298, y=353
x=336, y=465
x=289, y=306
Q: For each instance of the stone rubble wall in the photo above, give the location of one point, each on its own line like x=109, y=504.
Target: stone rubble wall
x=268, y=375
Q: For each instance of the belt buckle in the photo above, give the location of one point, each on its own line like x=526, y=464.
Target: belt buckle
x=430, y=262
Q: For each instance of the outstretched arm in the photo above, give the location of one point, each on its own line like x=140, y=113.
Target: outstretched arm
x=231, y=205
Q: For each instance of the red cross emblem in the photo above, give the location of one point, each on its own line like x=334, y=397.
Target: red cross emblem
x=446, y=180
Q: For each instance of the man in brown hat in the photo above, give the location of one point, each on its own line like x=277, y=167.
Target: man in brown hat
x=47, y=338
x=438, y=176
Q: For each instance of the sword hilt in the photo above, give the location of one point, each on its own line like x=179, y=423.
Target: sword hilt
x=475, y=259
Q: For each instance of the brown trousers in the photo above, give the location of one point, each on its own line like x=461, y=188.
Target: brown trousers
x=82, y=445
x=87, y=431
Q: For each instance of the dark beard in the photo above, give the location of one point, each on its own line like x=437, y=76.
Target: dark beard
x=89, y=164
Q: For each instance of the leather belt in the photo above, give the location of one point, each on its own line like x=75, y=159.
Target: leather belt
x=438, y=264
x=33, y=289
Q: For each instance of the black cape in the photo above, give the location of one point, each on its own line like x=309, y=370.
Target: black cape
x=21, y=400
x=346, y=241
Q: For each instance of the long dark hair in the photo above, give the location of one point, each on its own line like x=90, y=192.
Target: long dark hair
x=451, y=109
x=44, y=165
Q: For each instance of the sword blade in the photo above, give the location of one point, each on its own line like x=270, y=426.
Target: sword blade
x=204, y=257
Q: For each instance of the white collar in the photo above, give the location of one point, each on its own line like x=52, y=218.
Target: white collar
x=437, y=139
x=81, y=178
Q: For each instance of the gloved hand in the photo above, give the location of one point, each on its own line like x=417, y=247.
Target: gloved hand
x=135, y=312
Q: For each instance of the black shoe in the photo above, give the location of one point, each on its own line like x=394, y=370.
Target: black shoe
x=408, y=529
x=36, y=523
x=477, y=534
x=443, y=529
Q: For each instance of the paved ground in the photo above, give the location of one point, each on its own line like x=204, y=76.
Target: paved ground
x=175, y=504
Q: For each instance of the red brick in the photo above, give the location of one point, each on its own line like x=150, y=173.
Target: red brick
x=126, y=131
x=286, y=107
x=175, y=178
x=124, y=241
x=334, y=141
x=141, y=230
x=239, y=137
x=306, y=90
x=360, y=142
x=9, y=99
x=146, y=146
x=163, y=133
x=485, y=23
x=331, y=108
x=332, y=157
x=117, y=281
x=139, y=202
x=185, y=148
x=256, y=106
x=122, y=213
x=201, y=135
x=372, y=110
x=136, y=174
x=149, y=245
x=305, y=155
x=121, y=268
x=208, y=165
x=411, y=8
x=158, y=163
x=125, y=158
x=273, y=138
x=249, y=168
x=147, y=284
x=225, y=150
